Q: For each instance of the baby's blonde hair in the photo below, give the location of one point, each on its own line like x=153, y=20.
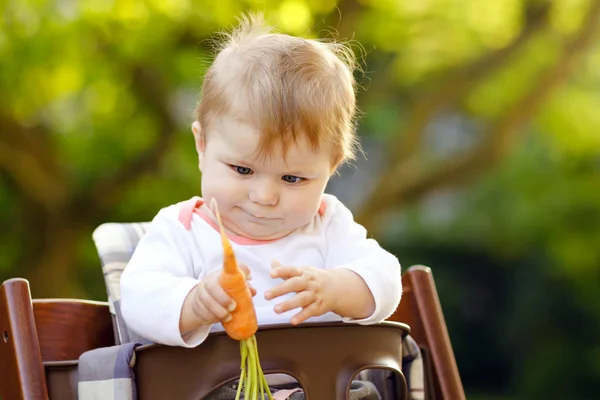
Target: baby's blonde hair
x=285, y=86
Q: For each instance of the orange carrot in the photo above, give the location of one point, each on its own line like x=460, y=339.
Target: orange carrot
x=243, y=323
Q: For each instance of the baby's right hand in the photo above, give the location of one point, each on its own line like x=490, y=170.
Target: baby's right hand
x=211, y=303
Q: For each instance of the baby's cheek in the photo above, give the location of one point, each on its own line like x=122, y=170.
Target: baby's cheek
x=304, y=207
x=225, y=191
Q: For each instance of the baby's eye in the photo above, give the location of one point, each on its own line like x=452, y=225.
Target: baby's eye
x=292, y=179
x=241, y=170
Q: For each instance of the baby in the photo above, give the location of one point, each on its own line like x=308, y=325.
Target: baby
x=274, y=121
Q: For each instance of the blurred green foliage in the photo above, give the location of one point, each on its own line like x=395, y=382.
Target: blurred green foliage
x=97, y=96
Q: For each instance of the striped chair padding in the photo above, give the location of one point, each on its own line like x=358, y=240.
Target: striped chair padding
x=115, y=243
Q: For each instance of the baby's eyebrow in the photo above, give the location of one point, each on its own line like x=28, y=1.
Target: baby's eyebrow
x=301, y=172
x=233, y=157
x=297, y=172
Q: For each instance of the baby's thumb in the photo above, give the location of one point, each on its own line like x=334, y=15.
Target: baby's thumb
x=275, y=264
x=246, y=271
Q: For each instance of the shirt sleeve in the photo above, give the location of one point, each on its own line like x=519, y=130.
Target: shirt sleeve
x=349, y=247
x=157, y=280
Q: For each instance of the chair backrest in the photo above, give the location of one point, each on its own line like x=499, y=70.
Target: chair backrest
x=43, y=340
x=420, y=308
x=115, y=243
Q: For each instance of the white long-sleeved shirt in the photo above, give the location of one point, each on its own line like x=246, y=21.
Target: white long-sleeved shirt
x=183, y=245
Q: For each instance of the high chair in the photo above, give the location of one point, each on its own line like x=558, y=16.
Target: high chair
x=420, y=308
x=42, y=340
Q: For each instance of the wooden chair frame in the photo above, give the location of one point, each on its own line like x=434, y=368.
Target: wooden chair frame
x=41, y=340
x=420, y=308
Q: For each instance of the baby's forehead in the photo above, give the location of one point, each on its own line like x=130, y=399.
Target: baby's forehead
x=298, y=155
x=247, y=137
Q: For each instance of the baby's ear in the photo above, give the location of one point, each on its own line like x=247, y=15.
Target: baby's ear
x=199, y=140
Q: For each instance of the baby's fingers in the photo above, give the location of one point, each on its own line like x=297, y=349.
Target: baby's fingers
x=284, y=272
x=295, y=285
x=219, y=295
x=215, y=309
x=302, y=299
x=252, y=290
x=246, y=271
x=311, y=311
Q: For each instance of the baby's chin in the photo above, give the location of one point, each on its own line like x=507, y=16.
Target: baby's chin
x=261, y=232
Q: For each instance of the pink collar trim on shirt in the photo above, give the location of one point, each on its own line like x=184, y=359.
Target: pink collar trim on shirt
x=193, y=206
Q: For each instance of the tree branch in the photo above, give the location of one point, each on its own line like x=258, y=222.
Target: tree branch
x=413, y=183
x=150, y=90
x=454, y=85
x=25, y=156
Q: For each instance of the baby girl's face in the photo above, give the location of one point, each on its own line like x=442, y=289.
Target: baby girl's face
x=260, y=198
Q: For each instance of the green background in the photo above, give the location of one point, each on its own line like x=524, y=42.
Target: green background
x=480, y=120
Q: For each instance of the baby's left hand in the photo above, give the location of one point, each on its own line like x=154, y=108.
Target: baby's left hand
x=314, y=290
